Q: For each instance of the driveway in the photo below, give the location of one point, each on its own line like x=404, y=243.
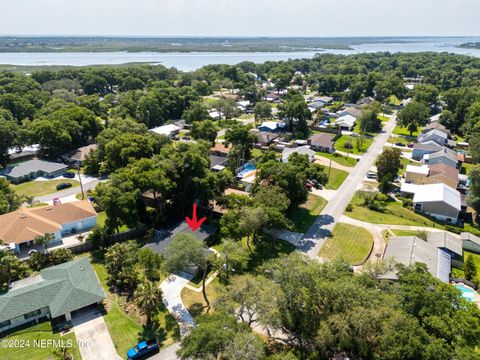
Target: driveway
x=316, y=236
x=93, y=338
x=168, y=353
x=172, y=290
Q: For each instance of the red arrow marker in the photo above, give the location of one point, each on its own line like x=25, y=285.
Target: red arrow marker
x=193, y=223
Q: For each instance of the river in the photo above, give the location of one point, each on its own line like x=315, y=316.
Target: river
x=195, y=60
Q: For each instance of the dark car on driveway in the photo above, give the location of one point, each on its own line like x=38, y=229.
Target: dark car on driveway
x=63, y=186
x=69, y=175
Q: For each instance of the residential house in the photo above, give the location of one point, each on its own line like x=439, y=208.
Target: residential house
x=215, y=114
x=444, y=156
x=433, y=174
x=218, y=163
x=16, y=154
x=437, y=200
x=435, y=135
x=57, y=293
x=265, y=138
x=165, y=236
x=32, y=169
x=167, y=130
x=77, y=157
x=408, y=250
x=448, y=243
x=323, y=142
x=22, y=226
x=314, y=106
x=435, y=126
x=419, y=150
x=220, y=149
x=435, y=118
x=325, y=99
x=272, y=126
x=243, y=105
x=346, y=122
x=470, y=242
x=352, y=111
x=303, y=150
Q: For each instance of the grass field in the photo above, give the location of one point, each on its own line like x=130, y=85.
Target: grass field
x=383, y=118
x=406, y=162
x=194, y=300
x=339, y=159
x=399, y=139
x=405, y=232
x=394, y=214
x=40, y=188
x=342, y=140
x=304, y=216
x=40, y=332
x=351, y=243
x=337, y=177
x=399, y=130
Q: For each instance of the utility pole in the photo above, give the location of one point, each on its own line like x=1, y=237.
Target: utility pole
x=81, y=184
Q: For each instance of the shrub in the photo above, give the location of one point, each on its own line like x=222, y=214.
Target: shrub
x=407, y=203
x=349, y=208
x=453, y=229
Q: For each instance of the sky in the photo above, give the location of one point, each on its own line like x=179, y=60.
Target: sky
x=241, y=17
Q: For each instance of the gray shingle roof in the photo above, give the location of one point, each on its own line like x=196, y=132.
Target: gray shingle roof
x=64, y=288
x=408, y=250
x=27, y=167
x=445, y=240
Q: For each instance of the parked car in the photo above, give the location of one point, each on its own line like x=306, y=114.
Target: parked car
x=63, y=186
x=69, y=175
x=410, y=145
x=143, y=349
x=316, y=184
x=186, y=138
x=400, y=144
x=175, y=137
x=371, y=175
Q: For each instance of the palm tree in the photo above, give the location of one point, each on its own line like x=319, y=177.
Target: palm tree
x=44, y=240
x=148, y=297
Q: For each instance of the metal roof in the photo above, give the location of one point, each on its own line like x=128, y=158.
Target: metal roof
x=32, y=166
x=446, y=240
x=438, y=193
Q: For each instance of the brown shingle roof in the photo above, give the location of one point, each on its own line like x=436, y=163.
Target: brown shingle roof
x=323, y=139
x=443, y=169
x=25, y=224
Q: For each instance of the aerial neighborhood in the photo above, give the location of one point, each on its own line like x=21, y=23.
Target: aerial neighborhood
x=300, y=209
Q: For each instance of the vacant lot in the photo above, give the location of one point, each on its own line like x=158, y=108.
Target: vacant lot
x=342, y=140
x=337, y=177
x=348, y=242
x=40, y=188
x=338, y=158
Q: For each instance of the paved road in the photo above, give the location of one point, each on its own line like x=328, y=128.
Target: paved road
x=316, y=236
x=88, y=183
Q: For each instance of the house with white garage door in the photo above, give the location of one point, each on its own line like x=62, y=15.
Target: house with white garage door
x=56, y=294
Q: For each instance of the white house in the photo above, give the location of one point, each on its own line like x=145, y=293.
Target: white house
x=346, y=122
x=437, y=200
x=272, y=126
x=20, y=228
x=167, y=130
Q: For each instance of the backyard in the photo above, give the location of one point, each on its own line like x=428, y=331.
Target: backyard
x=30, y=334
x=352, y=242
x=41, y=187
x=304, y=216
x=400, y=130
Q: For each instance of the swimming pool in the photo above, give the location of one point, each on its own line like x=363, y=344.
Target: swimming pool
x=245, y=169
x=467, y=292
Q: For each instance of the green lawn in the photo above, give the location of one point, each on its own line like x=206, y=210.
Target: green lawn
x=304, y=216
x=406, y=162
x=342, y=140
x=339, y=159
x=466, y=168
x=127, y=331
x=383, y=118
x=393, y=100
x=394, y=214
x=29, y=334
x=399, y=130
x=458, y=272
x=337, y=177
x=405, y=232
x=399, y=139
x=351, y=243
x=40, y=188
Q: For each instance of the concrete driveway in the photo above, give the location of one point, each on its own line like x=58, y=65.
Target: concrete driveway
x=168, y=353
x=93, y=338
